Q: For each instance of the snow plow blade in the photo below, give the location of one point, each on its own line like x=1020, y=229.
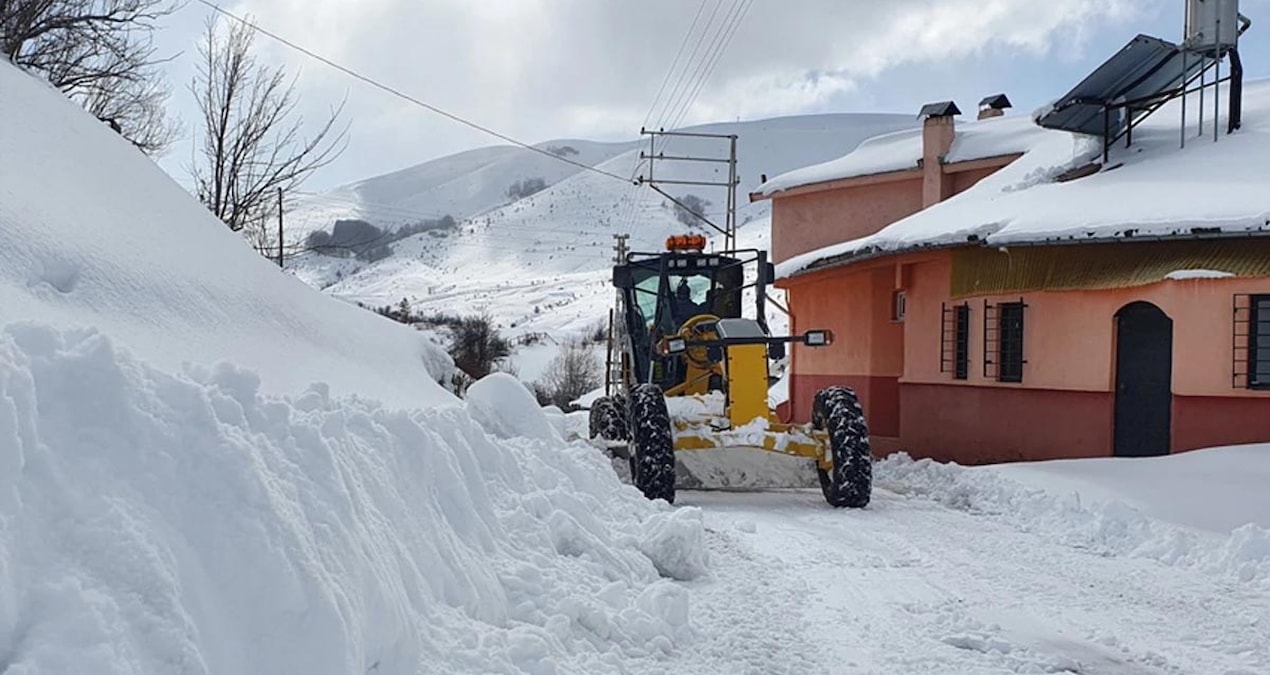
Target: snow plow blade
x=783, y=457
x=759, y=456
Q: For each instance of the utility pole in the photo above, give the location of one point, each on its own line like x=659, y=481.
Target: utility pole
x=279, y=228
x=619, y=248
x=654, y=155
x=611, y=374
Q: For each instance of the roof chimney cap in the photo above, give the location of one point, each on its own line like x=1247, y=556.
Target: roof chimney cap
x=940, y=109
x=996, y=102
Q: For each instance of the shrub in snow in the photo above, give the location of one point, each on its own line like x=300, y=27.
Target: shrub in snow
x=476, y=346
x=525, y=188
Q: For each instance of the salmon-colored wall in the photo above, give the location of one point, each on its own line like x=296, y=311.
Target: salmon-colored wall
x=964, y=180
x=1207, y=421
x=856, y=306
x=1069, y=336
x=978, y=425
x=1065, y=405
x=868, y=349
x=806, y=222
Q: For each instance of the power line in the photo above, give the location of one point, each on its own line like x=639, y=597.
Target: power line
x=743, y=8
x=677, y=91
x=675, y=63
x=406, y=97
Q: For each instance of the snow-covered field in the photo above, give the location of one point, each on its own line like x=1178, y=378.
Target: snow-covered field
x=208, y=467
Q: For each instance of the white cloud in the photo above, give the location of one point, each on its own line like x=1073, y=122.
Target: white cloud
x=538, y=69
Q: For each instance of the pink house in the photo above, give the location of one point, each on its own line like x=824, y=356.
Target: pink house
x=999, y=293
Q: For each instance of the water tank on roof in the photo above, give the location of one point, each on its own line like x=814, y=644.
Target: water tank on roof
x=1212, y=24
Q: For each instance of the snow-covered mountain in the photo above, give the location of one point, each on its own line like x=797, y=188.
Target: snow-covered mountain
x=540, y=263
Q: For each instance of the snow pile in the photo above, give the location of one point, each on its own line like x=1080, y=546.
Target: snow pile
x=1152, y=189
x=1098, y=520
x=675, y=542
x=151, y=522
x=311, y=503
x=94, y=233
x=509, y=410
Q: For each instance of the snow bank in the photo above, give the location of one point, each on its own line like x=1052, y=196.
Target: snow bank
x=159, y=523
x=507, y=409
x=675, y=542
x=1152, y=189
x=1217, y=489
x=92, y=233
x=162, y=514
x=1101, y=522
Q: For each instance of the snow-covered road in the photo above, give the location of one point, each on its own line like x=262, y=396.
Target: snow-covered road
x=910, y=585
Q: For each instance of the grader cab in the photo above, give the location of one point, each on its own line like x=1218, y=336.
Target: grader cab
x=691, y=373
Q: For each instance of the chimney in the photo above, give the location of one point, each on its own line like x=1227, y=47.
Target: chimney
x=993, y=106
x=937, y=139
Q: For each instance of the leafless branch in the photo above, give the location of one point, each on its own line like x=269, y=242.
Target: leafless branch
x=252, y=139
x=100, y=53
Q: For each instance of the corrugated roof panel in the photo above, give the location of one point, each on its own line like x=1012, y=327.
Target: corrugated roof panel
x=988, y=271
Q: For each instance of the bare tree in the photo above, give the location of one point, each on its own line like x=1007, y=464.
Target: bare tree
x=574, y=371
x=100, y=53
x=252, y=142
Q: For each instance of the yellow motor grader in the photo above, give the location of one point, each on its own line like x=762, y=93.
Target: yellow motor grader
x=690, y=373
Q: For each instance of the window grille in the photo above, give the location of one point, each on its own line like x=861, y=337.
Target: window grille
x=1003, y=341
x=954, y=340
x=1252, y=341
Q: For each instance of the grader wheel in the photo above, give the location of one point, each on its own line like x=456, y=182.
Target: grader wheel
x=652, y=444
x=849, y=483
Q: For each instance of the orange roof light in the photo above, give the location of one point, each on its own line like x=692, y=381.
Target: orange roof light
x=686, y=242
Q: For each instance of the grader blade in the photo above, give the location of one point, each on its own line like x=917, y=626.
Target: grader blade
x=742, y=469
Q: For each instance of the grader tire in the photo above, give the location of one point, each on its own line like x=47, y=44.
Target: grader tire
x=849, y=483
x=652, y=445
x=608, y=420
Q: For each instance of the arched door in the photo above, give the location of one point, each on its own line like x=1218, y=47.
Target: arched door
x=1144, y=380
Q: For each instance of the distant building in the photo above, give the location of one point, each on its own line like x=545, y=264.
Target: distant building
x=997, y=293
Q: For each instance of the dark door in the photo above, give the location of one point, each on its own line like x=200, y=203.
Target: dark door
x=1144, y=380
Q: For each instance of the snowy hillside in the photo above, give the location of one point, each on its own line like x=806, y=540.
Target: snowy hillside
x=462, y=185
x=208, y=467
x=540, y=264
x=96, y=236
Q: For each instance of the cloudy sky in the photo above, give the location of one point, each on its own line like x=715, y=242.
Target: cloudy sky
x=543, y=69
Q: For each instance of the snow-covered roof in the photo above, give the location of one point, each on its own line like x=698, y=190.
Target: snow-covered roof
x=902, y=150
x=1152, y=189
